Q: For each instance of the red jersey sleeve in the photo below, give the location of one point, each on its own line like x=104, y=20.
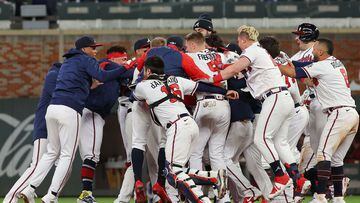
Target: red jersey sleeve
x=191, y=69
x=141, y=61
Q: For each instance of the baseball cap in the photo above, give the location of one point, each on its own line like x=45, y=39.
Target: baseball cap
x=234, y=48
x=176, y=41
x=142, y=43
x=204, y=21
x=86, y=41
x=307, y=32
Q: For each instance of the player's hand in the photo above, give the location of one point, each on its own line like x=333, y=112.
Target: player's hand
x=231, y=94
x=95, y=84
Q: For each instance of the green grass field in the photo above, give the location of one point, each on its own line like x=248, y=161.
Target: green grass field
x=349, y=199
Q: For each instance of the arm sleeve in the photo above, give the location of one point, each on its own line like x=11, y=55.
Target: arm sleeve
x=300, y=64
x=300, y=73
x=138, y=93
x=128, y=74
x=141, y=61
x=313, y=70
x=93, y=69
x=191, y=69
x=249, y=55
x=203, y=87
x=50, y=83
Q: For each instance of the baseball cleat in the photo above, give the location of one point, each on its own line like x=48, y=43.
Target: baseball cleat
x=346, y=184
x=160, y=191
x=221, y=184
x=302, y=185
x=86, y=197
x=338, y=200
x=28, y=195
x=49, y=198
x=140, y=192
x=280, y=183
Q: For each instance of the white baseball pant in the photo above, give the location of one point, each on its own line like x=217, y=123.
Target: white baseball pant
x=317, y=121
x=125, y=122
x=239, y=138
x=213, y=119
x=338, y=135
x=272, y=128
x=91, y=135
x=63, y=126
x=298, y=122
x=38, y=151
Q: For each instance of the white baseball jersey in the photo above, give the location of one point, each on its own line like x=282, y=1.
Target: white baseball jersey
x=291, y=83
x=332, y=87
x=262, y=73
x=209, y=62
x=152, y=90
x=304, y=56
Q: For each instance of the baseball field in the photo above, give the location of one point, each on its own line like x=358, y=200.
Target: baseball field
x=349, y=199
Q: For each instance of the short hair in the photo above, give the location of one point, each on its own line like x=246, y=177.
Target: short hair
x=248, y=31
x=271, y=44
x=215, y=41
x=155, y=64
x=158, y=42
x=115, y=49
x=196, y=37
x=328, y=43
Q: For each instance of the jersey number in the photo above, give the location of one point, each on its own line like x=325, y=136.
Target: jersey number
x=215, y=64
x=343, y=72
x=175, y=90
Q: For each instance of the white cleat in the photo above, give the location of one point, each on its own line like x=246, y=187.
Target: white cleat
x=49, y=198
x=346, y=184
x=338, y=200
x=28, y=195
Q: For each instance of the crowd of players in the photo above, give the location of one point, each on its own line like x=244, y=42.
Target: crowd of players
x=193, y=107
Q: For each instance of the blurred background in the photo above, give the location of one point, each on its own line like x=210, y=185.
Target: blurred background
x=34, y=34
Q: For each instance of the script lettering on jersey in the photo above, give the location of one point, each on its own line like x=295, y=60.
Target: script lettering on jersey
x=155, y=83
x=15, y=154
x=206, y=57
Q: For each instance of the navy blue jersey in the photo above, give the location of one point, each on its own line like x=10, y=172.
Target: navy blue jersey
x=242, y=108
x=102, y=99
x=75, y=78
x=45, y=98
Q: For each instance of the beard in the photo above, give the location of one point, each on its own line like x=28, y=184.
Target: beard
x=316, y=58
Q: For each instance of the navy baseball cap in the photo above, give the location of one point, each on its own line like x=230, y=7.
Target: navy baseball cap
x=86, y=41
x=307, y=32
x=176, y=41
x=142, y=43
x=234, y=48
x=204, y=21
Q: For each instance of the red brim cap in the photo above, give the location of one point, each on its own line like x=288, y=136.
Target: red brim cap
x=97, y=45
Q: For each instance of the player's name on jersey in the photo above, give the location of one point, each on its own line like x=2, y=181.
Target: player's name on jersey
x=156, y=83
x=207, y=56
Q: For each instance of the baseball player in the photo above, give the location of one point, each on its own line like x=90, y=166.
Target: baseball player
x=333, y=92
x=164, y=95
x=125, y=121
x=242, y=111
x=176, y=63
x=305, y=36
x=64, y=114
x=39, y=134
x=212, y=112
x=265, y=83
x=98, y=105
x=300, y=116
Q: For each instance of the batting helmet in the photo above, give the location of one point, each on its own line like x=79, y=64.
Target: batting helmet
x=307, y=32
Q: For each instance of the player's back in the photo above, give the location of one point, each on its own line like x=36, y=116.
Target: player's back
x=172, y=60
x=333, y=87
x=303, y=55
x=262, y=74
x=153, y=89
